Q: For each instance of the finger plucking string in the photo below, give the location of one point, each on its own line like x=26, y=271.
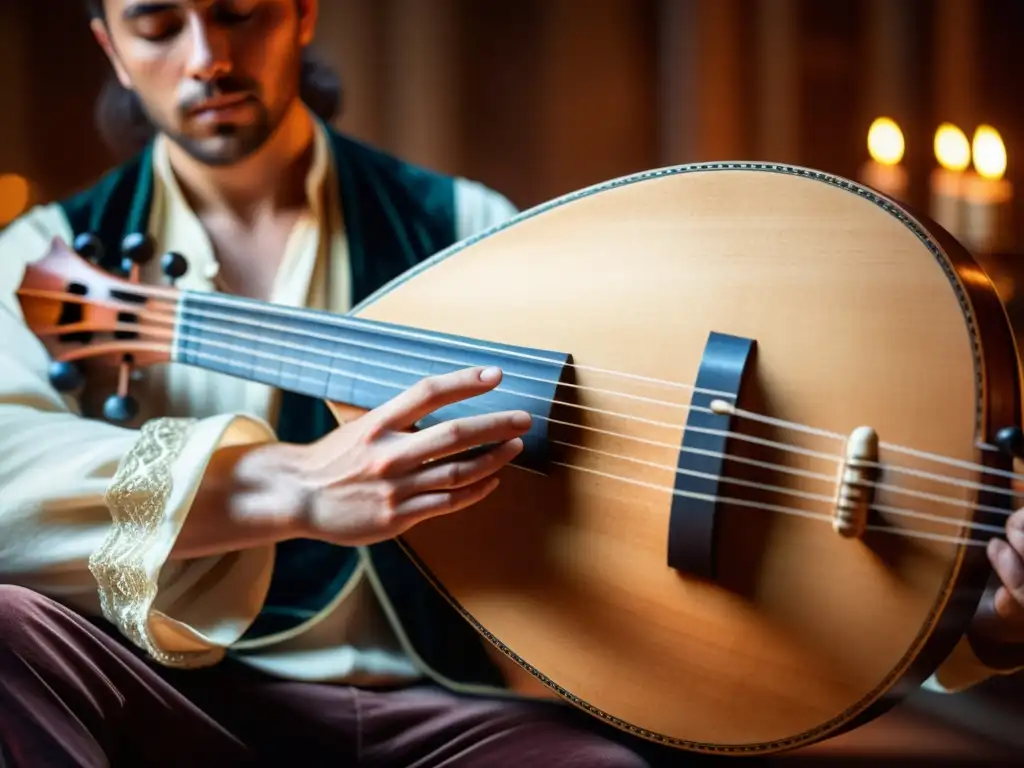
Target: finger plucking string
x=457, y=474
x=426, y=505
x=452, y=437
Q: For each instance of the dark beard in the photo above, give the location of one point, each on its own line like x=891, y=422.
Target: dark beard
x=229, y=145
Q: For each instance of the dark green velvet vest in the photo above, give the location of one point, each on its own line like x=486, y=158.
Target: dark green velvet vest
x=395, y=216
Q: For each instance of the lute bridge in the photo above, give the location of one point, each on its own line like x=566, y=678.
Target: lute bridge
x=855, y=483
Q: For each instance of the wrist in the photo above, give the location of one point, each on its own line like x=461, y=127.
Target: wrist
x=251, y=495
x=270, y=490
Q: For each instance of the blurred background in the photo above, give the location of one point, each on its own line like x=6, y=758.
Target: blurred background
x=538, y=98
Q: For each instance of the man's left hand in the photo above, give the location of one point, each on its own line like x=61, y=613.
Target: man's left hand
x=1007, y=558
x=1001, y=615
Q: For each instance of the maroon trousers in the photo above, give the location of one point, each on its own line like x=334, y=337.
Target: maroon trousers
x=73, y=695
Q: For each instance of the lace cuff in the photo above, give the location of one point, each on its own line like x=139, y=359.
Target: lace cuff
x=123, y=566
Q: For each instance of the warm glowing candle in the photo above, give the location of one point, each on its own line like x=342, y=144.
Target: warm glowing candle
x=953, y=153
x=988, y=194
x=15, y=197
x=886, y=148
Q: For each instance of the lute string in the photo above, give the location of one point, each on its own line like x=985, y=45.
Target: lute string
x=126, y=327
x=881, y=486
x=808, y=514
x=349, y=322
x=827, y=498
x=330, y=338
x=901, y=512
x=796, y=512
x=786, y=447
x=764, y=506
x=738, y=412
x=176, y=298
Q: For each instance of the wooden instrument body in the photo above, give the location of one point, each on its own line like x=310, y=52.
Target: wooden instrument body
x=861, y=315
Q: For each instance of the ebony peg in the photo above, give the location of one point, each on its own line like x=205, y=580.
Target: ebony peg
x=89, y=247
x=65, y=377
x=120, y=409
x=174, y=266
x=137, y=248
x=1011, y=441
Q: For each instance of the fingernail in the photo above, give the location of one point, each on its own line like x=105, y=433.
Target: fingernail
x=1016, y=537
x=1004, y=553
x=521, y=420
x=995, y=547
x=513, y=448
x=493, y=373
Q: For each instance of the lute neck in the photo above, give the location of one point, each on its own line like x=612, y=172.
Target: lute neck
x=359, y=362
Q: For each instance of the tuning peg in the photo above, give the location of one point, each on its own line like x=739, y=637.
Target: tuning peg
x=174, y=266
x=89, y=247
x=1011, y=441
x=65, y=377
x=137, y=249
x=120, y=409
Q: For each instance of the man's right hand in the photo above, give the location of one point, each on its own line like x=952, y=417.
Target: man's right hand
x=372, y=478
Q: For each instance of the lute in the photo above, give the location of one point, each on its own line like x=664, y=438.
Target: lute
x=774, y=419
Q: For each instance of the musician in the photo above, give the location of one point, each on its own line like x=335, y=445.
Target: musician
x=214, y=582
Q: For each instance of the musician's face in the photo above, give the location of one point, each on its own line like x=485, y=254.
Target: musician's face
x=216, y=76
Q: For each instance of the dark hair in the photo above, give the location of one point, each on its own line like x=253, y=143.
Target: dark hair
x=126, y=129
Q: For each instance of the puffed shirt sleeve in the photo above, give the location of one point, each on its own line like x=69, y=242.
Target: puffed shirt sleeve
x=90, y=512
x=479, y=208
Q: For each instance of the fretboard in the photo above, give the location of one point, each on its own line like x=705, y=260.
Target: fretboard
x=354, y=361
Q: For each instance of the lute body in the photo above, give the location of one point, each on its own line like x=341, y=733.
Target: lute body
x=607, y=570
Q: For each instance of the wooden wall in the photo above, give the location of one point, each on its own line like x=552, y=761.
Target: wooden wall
x=541, y=97
x=537, y=97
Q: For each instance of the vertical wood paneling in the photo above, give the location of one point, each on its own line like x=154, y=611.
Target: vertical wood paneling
x=349, y=37
x=954, y=62
x=889, y=89
x=778, y=77
x=423, y=93
x=14, y=90
x=65, y=149
x=893, y=47
x=720, y=100
x=502, y=131
x=679, y=81
x=598, y=90
x=831, y=83
x=538, y=97
x=703, y=106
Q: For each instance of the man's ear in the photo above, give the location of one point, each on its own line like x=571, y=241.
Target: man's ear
x=308, y=13
x=99, y=31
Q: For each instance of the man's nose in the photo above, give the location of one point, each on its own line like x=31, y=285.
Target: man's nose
x=209, y=52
